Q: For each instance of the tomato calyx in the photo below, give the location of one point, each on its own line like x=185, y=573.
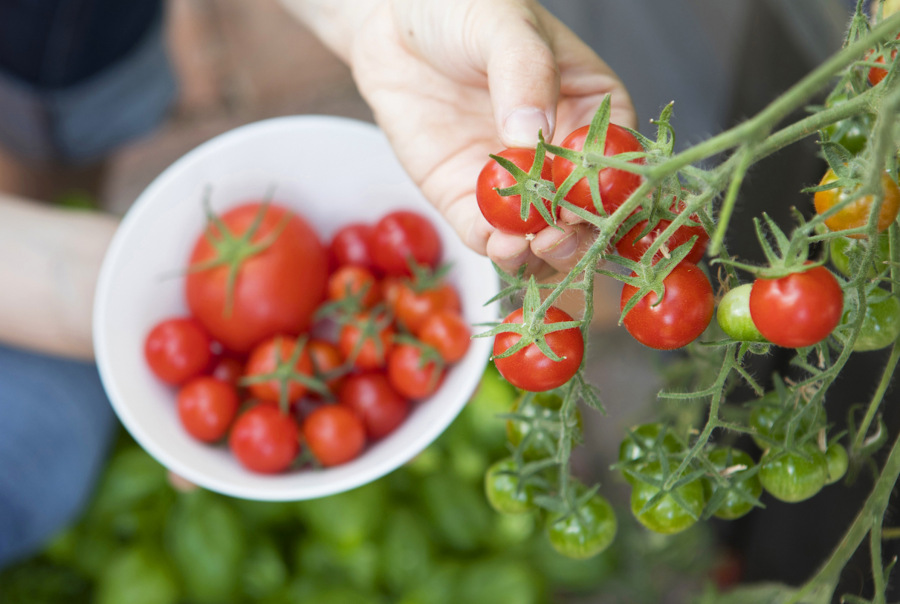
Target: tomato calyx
x=285, y=372
x=232, y=251
x=533, y=329
x=591, y=161
x=530, y=187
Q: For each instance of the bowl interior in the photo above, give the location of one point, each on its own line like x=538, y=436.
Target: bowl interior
x=299, y=160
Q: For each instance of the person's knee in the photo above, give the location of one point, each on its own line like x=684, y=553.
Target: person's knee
x=55, y=428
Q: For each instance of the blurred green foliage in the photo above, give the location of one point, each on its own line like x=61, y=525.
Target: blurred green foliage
x=423, y=534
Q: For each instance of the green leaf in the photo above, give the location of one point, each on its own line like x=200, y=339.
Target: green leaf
x=138, y=576
x=208, y=544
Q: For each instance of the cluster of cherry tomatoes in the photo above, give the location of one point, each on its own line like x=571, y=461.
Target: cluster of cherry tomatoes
x=296, y=351
x=795, y=308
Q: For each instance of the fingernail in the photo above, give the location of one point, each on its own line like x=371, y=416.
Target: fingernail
x=563, y=248
x=521, y=126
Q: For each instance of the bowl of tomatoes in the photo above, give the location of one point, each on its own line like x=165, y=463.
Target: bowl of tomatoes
x=277, y=318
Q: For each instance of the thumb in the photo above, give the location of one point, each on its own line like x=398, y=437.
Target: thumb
x=523, y=77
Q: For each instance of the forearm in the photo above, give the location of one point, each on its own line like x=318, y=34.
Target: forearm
x=49, y=262
x=334, y=22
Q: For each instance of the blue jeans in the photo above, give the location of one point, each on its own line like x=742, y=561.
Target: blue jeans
x=80, y=78
x=56, y=426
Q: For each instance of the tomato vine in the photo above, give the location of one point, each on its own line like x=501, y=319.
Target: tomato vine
x=670, y=195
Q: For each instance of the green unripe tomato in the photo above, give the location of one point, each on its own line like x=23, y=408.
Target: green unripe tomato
x=504, y=490
x=881, y=325
x=843, y=249
x=837, y=459
x=851, y=133
x=733, y=315
x=535, y=408
x=586, y=532
x=642, y=446
x=667, y=516
x=791, y=476
x=769, y=419
x=743, y=482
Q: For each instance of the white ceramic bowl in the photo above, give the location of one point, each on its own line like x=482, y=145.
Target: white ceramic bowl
x=299, y=157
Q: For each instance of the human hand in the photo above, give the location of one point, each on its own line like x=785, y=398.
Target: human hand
x=452, y=82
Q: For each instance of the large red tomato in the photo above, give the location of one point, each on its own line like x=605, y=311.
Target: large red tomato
x=615, y=185
x=245, y=291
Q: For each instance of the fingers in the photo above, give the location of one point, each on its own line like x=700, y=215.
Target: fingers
x=523, y=76
x=546, y=253
x=561, y=250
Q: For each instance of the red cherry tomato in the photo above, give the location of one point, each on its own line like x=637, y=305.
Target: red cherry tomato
x=366, y=341
x=350, y=245
x=615, y=185
x=275, y=290
x=799, y=309
x=411, y=374
x=271, y=356
x=206, y=407
x=374, y=400
x=401, y=237
x=529, y=368
x=412, y=308
x=447, y=332
x=228, y=369
x=334, y=433
x=629, y=246
x=327, y=362
x=265, y=440
x=354, y=281
x=505, y=212
x=679, y=318
x=177, y=349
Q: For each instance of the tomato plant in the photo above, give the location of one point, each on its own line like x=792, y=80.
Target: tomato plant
x=799, y=309
x=679, y=317
x=256, y=271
